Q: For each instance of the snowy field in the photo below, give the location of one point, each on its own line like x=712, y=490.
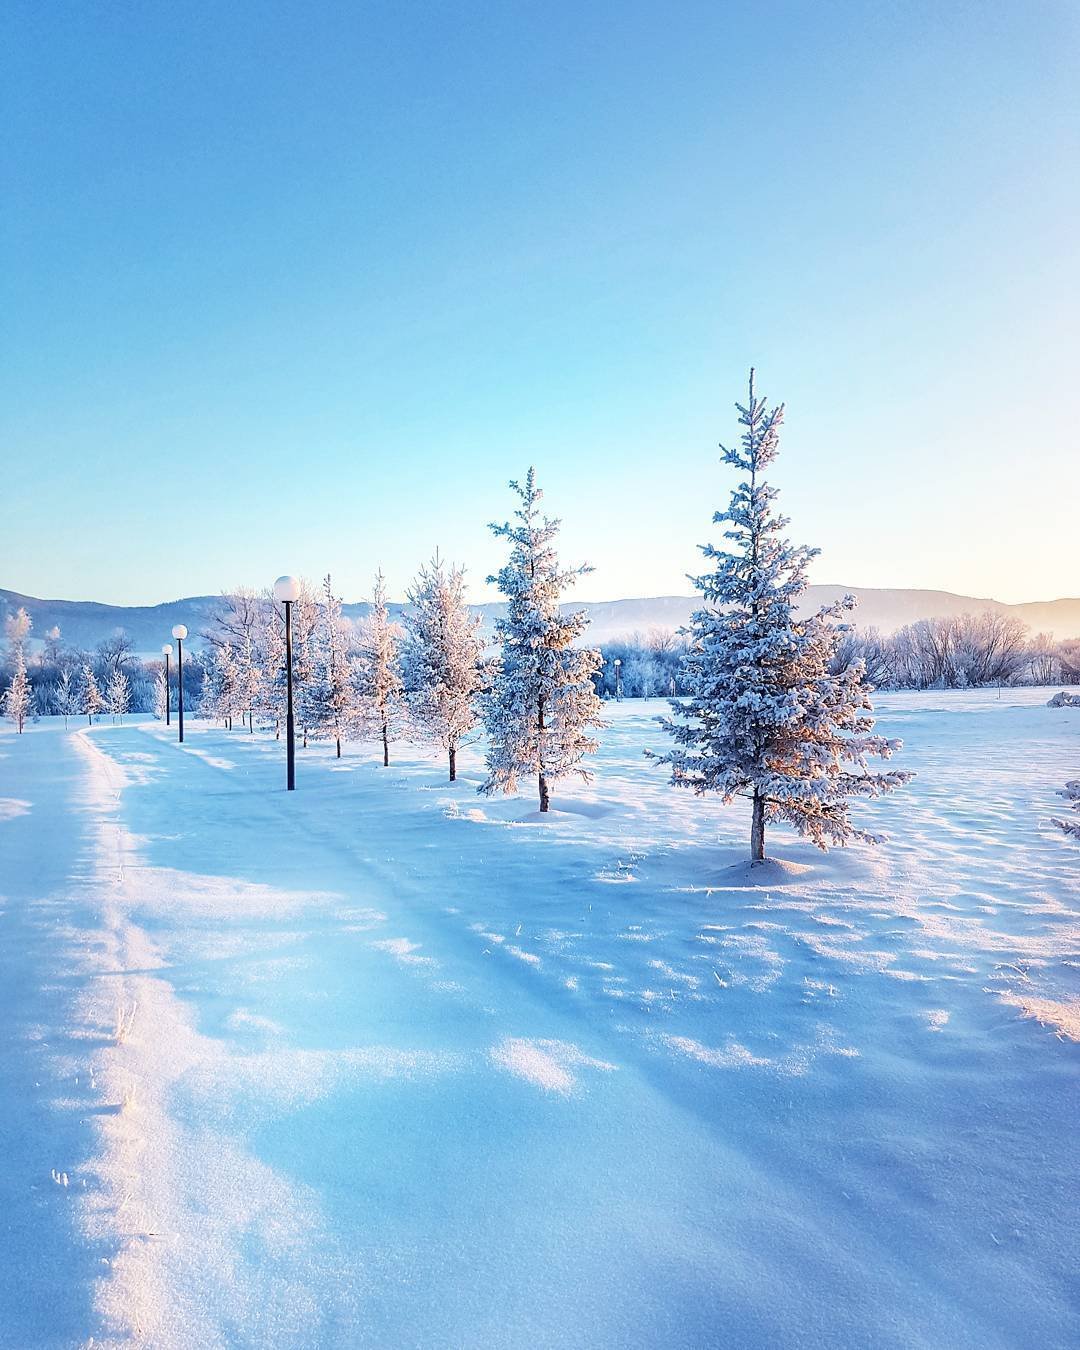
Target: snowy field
x=383, y=1063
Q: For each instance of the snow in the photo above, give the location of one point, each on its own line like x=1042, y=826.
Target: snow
x=382, y=1062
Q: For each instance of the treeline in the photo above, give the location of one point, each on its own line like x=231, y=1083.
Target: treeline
x=961, y=652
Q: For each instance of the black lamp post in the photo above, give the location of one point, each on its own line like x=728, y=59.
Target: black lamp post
x=286, y=590
x=180, y=633
x=166, y=652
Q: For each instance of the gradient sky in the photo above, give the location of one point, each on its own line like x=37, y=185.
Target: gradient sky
x=298, y=287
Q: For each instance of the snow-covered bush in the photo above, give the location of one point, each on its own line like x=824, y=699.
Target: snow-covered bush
x=543, y=698
x=1071, y=793
x=767, y=717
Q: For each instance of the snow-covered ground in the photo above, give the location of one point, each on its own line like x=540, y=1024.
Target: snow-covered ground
x=381, y=1062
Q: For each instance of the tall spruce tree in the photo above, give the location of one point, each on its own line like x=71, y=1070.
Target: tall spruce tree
x=765, y=718
x=440, y=658
x=542, y=700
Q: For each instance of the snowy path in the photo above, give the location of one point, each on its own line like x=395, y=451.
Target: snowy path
x=407, y=1067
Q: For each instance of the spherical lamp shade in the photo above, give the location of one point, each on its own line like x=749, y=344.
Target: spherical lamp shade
x=167, y=649
x=286, y=588
x=179, y=632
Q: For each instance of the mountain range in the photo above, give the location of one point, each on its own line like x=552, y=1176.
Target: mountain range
x=83, y=623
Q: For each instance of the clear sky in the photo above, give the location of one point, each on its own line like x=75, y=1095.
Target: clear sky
x=298, y=287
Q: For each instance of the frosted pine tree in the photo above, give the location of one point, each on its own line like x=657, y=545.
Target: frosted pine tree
x=67, y=696
x=271, y=703
x=118, y=694
x=18, y=698
x=328, y=699
x=305, y=616
x=543, y=700
x=377, y=673
x=248, y=678
x=440, y=658
x=92, y=702
x=765, y=719
x=17, y=628
x=161, y=694
x=1071, y=793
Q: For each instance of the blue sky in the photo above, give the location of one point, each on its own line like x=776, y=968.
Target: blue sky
x=299, y=287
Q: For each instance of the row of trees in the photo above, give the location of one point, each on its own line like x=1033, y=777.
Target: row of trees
x=960, y=652
x=776, y=704
x=75, y=691
x=428, y=676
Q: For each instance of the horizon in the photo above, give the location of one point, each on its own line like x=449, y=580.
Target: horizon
x=571, y=598
x=295, y=297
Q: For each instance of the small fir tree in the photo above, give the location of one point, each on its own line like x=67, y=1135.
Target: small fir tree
x=92, y=702
x=329, y=700
x=543, y=699
x=18, y=699
x=161, y=694
x=765, y=718
x=377, y=673
x=118, y=694
x=67, y=696
x=440, y=658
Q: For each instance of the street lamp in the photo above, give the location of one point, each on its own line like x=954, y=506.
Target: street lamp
x=286, y=590
x=179, y=632
x=618, y=684
x=166, y=652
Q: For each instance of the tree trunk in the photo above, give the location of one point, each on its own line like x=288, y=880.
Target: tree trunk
x=385, y=746
x=339, y=747
x=453, y=763
x=757, y=829
x=545, y=799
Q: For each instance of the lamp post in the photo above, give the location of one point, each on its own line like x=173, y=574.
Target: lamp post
x=179, y=632
x=166, y=652
x=286, y=590
x=618, y=682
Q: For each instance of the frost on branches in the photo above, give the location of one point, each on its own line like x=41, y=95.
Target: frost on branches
x=377, y=674
x=542, y=699
x=18, y=698
x=440, y=658
x=91, y=702
x=161, y=694
x=765, y=719
x=1071, y=793
x=118, y=695
x=328, y=702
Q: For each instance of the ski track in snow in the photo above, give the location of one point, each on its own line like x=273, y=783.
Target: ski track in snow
x=381, y=1049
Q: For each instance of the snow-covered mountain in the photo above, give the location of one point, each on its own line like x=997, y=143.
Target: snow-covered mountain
x=83, y=623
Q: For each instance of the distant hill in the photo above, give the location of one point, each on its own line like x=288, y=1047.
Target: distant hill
x=83, y=623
